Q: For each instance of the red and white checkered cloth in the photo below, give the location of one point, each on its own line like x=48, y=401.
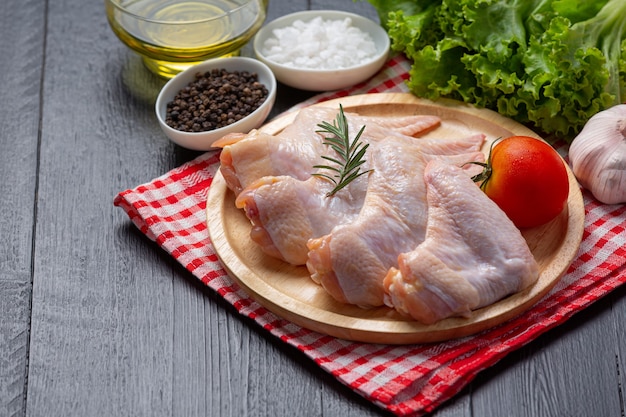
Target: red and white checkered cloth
x=407, y=380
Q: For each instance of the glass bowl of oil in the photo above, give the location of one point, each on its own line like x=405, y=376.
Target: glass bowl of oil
x=172, y=35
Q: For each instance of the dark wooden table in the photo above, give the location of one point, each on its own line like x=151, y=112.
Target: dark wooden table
x=96, y=320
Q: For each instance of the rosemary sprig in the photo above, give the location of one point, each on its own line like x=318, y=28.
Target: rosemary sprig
x=350, y=155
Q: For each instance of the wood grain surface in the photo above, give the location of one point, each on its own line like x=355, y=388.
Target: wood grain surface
x=22, y=39
x=95, y=320
x=288, y=291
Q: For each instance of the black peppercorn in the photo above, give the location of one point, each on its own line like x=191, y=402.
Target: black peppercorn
x=215, y=99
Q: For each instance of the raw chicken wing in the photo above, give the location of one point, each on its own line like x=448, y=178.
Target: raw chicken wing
x=351, y=261
x=286, y=212
x=294, y=151
x=472, y=255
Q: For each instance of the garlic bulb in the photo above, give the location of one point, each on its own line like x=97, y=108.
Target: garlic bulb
x=598, y=155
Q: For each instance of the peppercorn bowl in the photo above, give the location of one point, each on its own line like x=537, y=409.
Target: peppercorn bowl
x=322, y=50
x=212, y=99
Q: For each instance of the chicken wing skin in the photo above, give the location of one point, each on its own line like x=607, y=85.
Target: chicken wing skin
x=351, y=261
x=472, y=255
x=296, y=149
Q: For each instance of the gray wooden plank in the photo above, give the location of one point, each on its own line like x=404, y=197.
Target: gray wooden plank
x=618, y=313
x=21, y=49
x=564, y=372
x=14, y=330
x=360, y=7
x=101, y=337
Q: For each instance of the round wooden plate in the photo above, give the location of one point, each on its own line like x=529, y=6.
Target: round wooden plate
x=289, y=292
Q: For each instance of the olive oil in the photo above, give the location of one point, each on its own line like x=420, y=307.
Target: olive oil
x=171, y=35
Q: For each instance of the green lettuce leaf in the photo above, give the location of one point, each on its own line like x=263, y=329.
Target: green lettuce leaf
x=549, y=63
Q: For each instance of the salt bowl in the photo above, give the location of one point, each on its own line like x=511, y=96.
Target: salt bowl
x=322, y=50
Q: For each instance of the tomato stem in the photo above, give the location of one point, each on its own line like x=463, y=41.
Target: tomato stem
x=484, y=176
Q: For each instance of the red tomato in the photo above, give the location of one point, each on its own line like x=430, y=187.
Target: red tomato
x=528, y=180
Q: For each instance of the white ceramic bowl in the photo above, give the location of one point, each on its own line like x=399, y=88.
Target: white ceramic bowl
x=324, y=80
x=203, y=141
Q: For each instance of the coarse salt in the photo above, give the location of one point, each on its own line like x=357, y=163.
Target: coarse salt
x=320, y=44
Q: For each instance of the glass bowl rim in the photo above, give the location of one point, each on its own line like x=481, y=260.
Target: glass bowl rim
x=116, y=4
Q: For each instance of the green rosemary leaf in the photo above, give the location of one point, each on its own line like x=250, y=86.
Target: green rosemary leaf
x=326, y=176
x=350, y=154
x=356, y=160
x=333, y=160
